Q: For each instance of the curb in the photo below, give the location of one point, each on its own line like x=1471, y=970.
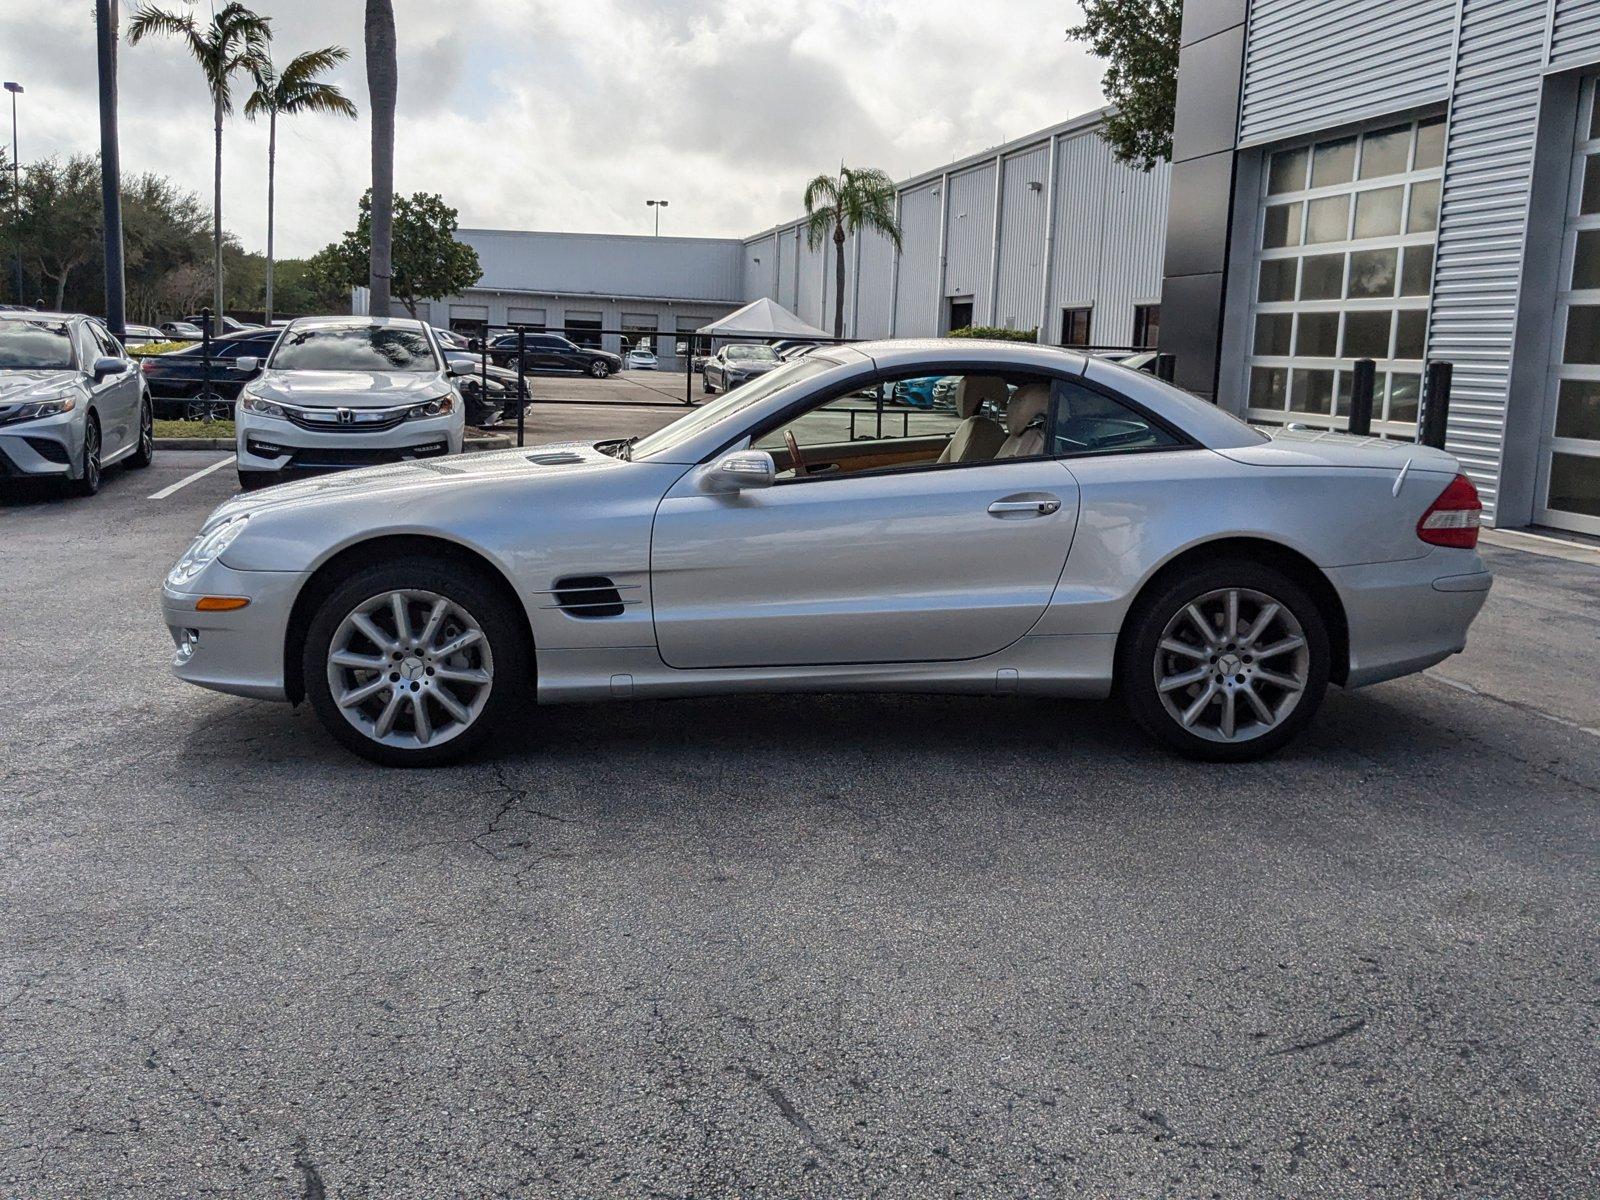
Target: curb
x=471, y=444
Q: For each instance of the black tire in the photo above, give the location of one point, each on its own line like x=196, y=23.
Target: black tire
x=705, y=386
x=250, y=481
x=88, y=481
x=144, y=453
x=496, y=616
x=599, y=368
x=1141, y=646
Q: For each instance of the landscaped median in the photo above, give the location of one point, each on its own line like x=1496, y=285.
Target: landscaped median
x=219, y=435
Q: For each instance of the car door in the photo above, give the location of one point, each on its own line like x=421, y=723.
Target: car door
x=928, y=564
x=116, y=396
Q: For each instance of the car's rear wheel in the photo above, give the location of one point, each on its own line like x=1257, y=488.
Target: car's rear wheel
x=599, y=368
x=412, y=663
x=1225, y=662
x=88, y=481
x=145, y=452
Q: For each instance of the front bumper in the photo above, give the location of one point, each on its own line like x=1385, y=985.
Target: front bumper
x=239, y=652
x=269, y=445
x=43, y=448
x=1407, y=616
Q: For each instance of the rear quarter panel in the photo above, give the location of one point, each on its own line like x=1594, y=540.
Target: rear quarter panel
x=1139, y=511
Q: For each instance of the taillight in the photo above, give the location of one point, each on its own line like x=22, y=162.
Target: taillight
x=147, y=365
x=1453, y=519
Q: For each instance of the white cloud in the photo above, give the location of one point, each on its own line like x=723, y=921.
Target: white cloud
x=548, y=114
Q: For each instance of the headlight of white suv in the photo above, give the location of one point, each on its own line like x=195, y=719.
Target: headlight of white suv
x=205, y=550
x=262, y=408
x=438, y=407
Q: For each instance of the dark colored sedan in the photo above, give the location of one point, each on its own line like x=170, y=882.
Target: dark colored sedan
x=485, y=406
x=177, y=378
x=551, y=352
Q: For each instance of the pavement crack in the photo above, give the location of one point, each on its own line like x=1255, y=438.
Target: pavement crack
x=789, y=1112
x=512, y=799
x=1355, y=1026
x=311, y=1185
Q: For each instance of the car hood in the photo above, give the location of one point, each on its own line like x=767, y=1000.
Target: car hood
x=17, y=386
x=754, y=366
x=1287, y=447
x=349, y=389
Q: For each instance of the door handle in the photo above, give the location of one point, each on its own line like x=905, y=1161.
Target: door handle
x=1044, y=506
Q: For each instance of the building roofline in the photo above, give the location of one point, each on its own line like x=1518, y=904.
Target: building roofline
x=611, y=296
x=636, y=237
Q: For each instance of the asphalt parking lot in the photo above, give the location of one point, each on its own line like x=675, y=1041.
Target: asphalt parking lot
x=812, y=946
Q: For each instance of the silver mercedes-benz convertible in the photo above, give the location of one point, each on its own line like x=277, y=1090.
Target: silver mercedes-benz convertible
x=1057, y=526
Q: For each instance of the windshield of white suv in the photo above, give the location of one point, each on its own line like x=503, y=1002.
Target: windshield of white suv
x=354, y=348
x=733, y=402
x=35, y=346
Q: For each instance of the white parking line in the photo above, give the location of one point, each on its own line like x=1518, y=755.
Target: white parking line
x=188, y=479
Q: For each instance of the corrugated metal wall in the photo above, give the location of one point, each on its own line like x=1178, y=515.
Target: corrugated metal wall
x=1024, y=214
x=609, y=264
x=969, y=245
x=1315, y=64
x=1575, y=37
x=1111, y=236
x=1489, y=153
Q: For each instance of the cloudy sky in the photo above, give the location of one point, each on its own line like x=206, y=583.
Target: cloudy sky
x=569, y=114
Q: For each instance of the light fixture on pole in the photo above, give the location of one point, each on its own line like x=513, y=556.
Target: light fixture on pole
x=16, y=188
x=658, y=205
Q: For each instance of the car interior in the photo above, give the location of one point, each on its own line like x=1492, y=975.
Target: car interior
x=976, y=418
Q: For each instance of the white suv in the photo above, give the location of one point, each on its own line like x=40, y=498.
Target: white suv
x=342, y=392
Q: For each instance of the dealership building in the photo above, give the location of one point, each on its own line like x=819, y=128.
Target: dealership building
x=1399, y=180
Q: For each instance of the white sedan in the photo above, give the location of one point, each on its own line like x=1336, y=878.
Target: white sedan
x=1068, y=528
x=642, y=358
x=339, y=392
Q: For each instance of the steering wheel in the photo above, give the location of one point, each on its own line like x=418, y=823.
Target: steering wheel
x=795, y=461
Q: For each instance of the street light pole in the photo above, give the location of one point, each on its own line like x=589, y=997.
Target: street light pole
x=658, y=205
x=16, y=189
x=111, y=170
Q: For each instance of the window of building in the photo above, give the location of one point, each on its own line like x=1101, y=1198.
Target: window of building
x=1075, y=326
x=1146, y=325
x=960, y=313
x=1344, y=270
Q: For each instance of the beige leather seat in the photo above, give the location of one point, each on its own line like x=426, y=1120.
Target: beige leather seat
x=978, y=437
x=1024, y=421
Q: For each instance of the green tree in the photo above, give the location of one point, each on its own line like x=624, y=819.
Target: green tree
x=234, y=41
x=427, y=261
x=61, y=222
x=383, y=79
x=296, y=89
x=165, y=241
x=314, y=285
x=838, y=205
x=1138, y=39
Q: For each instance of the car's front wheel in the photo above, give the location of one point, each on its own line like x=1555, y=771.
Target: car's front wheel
x=145, y=452
x=1225, y=662
x=599, y=368
x=412, y=663
x=88, y=481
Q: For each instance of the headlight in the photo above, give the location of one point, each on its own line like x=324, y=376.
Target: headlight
x=262, y=408
x=43, y=408
x=205, y=550
x=440, y=407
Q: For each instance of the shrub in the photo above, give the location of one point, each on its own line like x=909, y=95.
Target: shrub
x=141, y=349
x=991, y=333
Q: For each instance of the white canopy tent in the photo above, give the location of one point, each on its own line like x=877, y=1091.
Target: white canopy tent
x=762, y=318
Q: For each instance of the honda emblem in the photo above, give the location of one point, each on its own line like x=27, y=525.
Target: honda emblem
x=346, y=417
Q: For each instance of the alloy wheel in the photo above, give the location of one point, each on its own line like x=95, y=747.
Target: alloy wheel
x=91, y=455
x=410, y=668
x=147, y=431
x=1232, y=664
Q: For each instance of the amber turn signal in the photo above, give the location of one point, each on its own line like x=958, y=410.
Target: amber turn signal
x=220, y=603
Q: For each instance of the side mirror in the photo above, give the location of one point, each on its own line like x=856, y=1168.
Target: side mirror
x=460, y=366
x=740, y=470
x=247, y=362
x=108, y=366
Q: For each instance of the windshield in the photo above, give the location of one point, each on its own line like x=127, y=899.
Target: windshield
x=35, y=346
x=755, y=353
x=680, y=431
x=355, y=348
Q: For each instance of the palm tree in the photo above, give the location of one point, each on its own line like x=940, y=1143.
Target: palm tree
x=235, y=40
x=295, y=90
x=839, y=205
x=383, y=75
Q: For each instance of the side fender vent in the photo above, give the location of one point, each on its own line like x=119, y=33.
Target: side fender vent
x=588, y=597
x=557, y=458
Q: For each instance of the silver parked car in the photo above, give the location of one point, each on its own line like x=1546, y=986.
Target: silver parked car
x=71, y=402
x=1105, y=531
x=339, y=392
x=736, y=365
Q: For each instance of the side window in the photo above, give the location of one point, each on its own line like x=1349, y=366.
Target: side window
x=1091, y=422
x=903, y=410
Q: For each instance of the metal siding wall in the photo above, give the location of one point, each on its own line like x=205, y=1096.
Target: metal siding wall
x=606, y=264
x=1023, y=216
x=760, y=278
x=788, y=265
x=1081, y=166
x=1483, y=222
x=1134, y=233
x=1315, y=64
x=877, y=272
x=1575, y=38
x=969, y=246
x=813, y=266
x=915, y=314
